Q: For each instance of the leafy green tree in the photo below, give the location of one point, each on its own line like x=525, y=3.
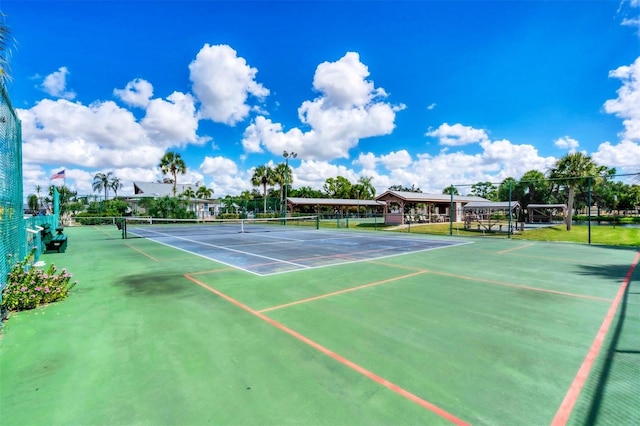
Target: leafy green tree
x=173, y=163
x=535, y=189
x=572, y=171
x=338, y=187
x=509, y=190
x=485, y=190
x=167, y=207
x=102, y=181
x=263, y=175
x=65, y=196
x=451, y=189
x=401, y=188
x=76, y=207
x=306, y=192
x=33, y=202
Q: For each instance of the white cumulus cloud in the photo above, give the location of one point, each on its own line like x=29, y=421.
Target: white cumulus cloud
x=348, y=109
x=457, y=134
x=136, y=93
x=396, y=160
x=567, y=142
x=172, y=122
x=55, y=84
x=627, y=104
x=223, y=82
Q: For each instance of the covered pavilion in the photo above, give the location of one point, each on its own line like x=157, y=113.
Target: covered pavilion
x=488, y=214
x=546, y=212
x=339, y=205
x=402, y=207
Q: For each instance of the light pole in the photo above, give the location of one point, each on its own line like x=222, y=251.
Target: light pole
x=286, y=156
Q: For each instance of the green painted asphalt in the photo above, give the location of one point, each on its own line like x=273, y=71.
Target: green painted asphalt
x=137, y=342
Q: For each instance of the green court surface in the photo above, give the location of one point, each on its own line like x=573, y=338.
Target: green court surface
x=495, y=332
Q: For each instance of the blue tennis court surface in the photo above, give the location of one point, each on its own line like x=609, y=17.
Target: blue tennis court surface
x=267, y=253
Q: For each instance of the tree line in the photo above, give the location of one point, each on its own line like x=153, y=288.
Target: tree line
x=575, y=180
x=572, y=180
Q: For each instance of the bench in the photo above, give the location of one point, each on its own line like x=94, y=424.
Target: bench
x=52, y=242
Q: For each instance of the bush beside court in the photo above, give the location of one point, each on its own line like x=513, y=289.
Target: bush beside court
x=29, y=287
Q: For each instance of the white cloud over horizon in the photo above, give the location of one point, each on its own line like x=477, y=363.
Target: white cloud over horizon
x=348, y=109
x=103, y=135
x=55, y=84
x=567, y=143
x=457, y=134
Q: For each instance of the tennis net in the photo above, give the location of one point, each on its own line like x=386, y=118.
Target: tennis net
x=147, y=227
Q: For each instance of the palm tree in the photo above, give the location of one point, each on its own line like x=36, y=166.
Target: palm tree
x=172, y=163
x=282, y=176
x=263, y=175
x=204, y=192
x=102, y=181
x=38, y=189
x=367, y=190
x=189, y=193
x=5, y=39
x=571, y=171
x=116, y=185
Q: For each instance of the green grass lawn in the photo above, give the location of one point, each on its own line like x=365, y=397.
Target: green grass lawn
x=606, y=235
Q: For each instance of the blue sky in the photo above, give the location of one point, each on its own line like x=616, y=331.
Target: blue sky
x=422, y=93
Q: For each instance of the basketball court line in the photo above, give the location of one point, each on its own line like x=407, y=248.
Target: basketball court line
x=378, y=379
x=571, y=397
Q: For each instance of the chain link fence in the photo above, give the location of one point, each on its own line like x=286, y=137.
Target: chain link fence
x=18, y=234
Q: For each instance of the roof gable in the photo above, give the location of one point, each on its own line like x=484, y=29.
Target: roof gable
x=156, y=189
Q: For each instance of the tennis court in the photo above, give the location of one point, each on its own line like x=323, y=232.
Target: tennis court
x=426, y=330
x=266, y=247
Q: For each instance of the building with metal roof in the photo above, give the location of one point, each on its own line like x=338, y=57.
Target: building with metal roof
x=402, y=207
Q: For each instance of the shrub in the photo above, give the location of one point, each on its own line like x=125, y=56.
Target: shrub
x=28, y=287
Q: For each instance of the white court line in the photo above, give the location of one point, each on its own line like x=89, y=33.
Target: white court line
x=371, y=258
x=228, y=249
x=305, y=267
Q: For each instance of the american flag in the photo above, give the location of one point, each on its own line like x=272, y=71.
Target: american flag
x=59, y=175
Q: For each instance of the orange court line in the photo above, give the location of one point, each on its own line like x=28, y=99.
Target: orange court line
x=334, y=293
x=212, y=271
x=97, y=228
x=389, y=385
x=515, y=248
x=142, y=252
x=570, y=399
x=522, y=287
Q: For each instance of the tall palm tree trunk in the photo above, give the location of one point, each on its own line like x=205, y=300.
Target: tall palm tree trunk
x=264, y=197
x=570, y=208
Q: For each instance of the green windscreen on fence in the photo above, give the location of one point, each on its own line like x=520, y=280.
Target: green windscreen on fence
x=13, y=239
